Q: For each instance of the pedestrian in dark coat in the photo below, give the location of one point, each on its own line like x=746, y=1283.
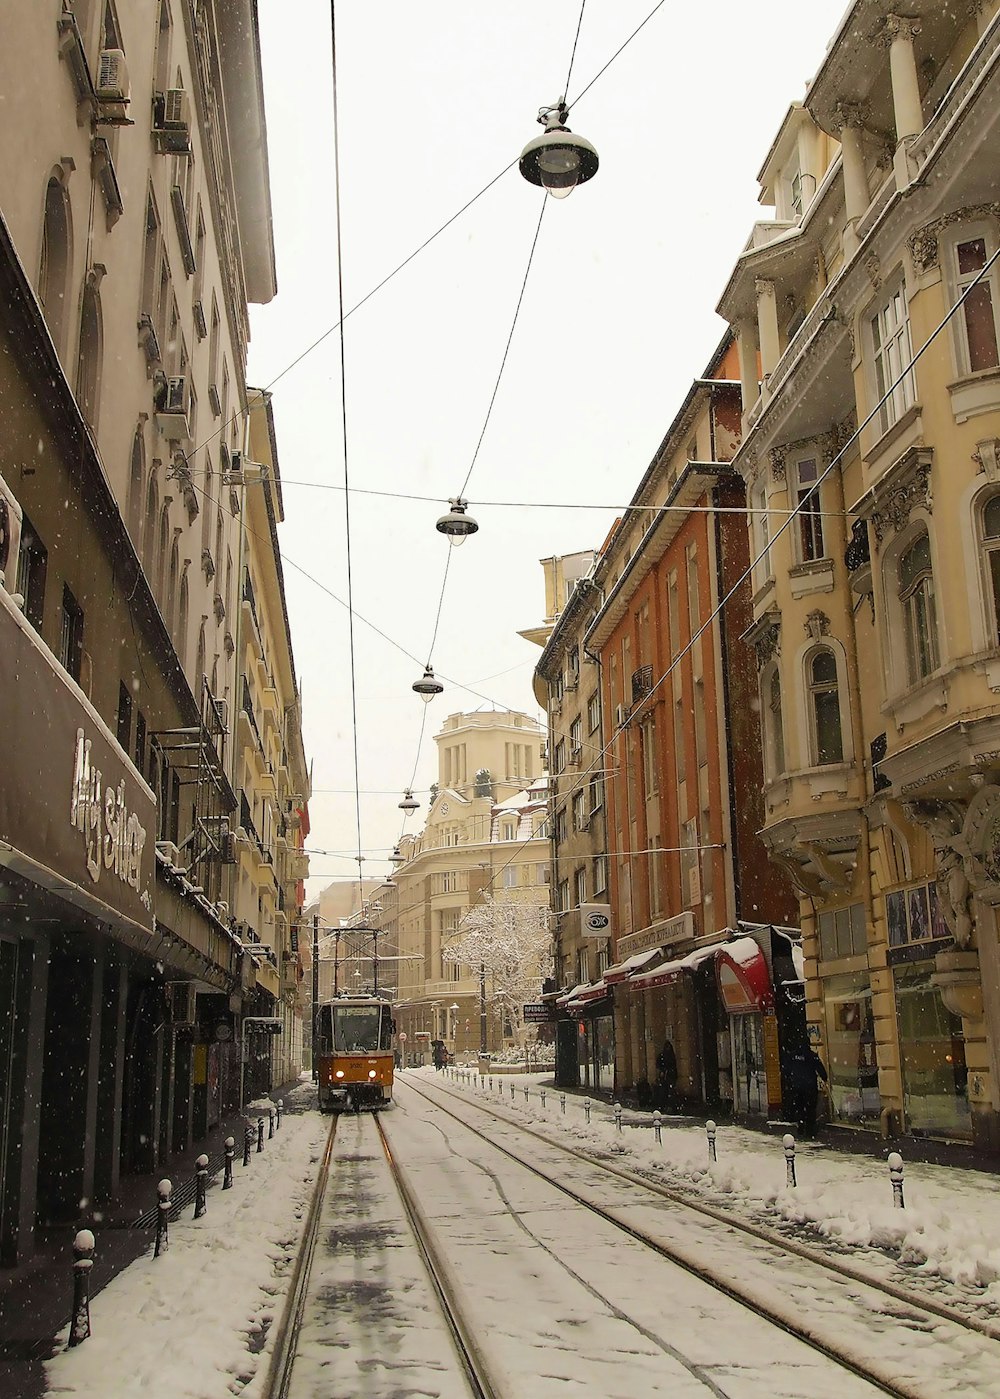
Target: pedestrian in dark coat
x=666, y=1076
x=804, y=1069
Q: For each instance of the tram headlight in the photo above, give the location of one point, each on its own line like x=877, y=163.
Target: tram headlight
x=371, y=1073
x=340, y=1073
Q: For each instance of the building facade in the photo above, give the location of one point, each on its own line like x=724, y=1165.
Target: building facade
x=869, y=450
x=485, y=834
x=135, y=227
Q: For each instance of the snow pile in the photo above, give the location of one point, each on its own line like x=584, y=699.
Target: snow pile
x=950, y=1228
x=194, y=1323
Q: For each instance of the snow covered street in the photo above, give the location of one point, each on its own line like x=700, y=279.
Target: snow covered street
x=559, y=1300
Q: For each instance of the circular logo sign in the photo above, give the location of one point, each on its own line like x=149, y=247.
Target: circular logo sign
x=596, y=922
x=223, y=1030
x=402, y=1036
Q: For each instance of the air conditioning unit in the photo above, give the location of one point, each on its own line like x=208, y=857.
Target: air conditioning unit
x=575, y=754
x=584, y=824
x=173, y=408
x=181, y=1002
x=571, y=683
x=243, y=470
x=112, y=77
x=10, y=537
x=176, y=113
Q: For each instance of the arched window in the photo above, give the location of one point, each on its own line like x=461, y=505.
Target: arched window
x=149, y=528
x=172, y=574
x=182, y=619
x=773, y=721
x=162, y=551
x=199, y=665
x=135, y=475
x=88, y=373
x=56, y=260
x=990, y=536
x=824, y=708
x=915, y=580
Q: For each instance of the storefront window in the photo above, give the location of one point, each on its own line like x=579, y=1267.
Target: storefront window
x=932, y=1047
x=750, y=1081
x=604, y=1044
x=850, y=1048
x=842, y=933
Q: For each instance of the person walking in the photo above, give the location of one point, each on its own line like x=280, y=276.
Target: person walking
x=666, y=1076
x=805, y=1069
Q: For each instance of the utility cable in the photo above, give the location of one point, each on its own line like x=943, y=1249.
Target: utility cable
x=343, y=418
x=576, y=40
x=601, y=71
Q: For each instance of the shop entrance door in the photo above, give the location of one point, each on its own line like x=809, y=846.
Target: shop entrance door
x=750, y=1077
x=932, y=1048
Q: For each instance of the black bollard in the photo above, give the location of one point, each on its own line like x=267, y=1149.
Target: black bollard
x=260, y=1134
x=227, y=1174
x=248, y=1136
x=270, y=1124
x=164, y=1205
x=200, y=1186
x=83, y=1262
x=277, y=1115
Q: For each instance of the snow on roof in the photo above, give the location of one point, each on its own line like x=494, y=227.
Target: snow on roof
x=743, y=951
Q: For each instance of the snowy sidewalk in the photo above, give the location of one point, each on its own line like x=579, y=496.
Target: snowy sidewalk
x=195, y=1323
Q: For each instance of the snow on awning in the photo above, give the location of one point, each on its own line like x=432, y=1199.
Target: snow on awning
x=566, y=996
x=743, y=977
x=669, y=972
x=594, y=992
x=621, y=970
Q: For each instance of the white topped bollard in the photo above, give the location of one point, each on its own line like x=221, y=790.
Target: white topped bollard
x=491, y=1083
x=541, y=1094
x=657, y=1126
x=164, y=1204
x=83, y=1262
x=618, y=1116
x=512, y=1090
x=525, y=1092
x=710, y=1131
x=788, y=1142
x=586, y=1109
x=200, y=1185
x=895, y=1164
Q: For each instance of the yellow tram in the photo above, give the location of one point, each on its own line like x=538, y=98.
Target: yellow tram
x=354, y=1052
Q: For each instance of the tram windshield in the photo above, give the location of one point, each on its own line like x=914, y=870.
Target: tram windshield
x=356, y=1029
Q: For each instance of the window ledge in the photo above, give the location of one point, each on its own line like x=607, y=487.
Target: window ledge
x=892, y=435
x=815, y=576
x=919, y=700
x=974, y=394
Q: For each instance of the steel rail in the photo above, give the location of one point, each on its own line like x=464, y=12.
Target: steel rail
x=279, y=1372
x=729, y=1287
x=468, y=1352
x=745, y=1226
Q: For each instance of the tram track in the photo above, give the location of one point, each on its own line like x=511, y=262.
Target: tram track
x=877, y=1374
x=277, y=1384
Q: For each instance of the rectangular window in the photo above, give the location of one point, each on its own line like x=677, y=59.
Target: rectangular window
x=580, y=887
x=761, y=533
x=71, y=634
x=560, y=756
x=594, y=712
x=690, y=881
x=600, y=874
x=650, y=776
x=576, y=739
x=562, y=827
x=583, y=966
x=124, y=724
x=694, y=593
x=673, y=614
x=596, y=793
x=510, y=876
x=914, y=915
x=32, y=565
x=810, y=519
x=679, y=748
x=977, y=318
x=842, y=933
x=891, y=351
x=562, y=895
x=580, y=822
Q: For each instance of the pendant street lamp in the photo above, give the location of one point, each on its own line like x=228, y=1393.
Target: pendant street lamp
x=428, y=685
x=396, y=858
x=558, y=160
x=409, y=804
x=457, y=524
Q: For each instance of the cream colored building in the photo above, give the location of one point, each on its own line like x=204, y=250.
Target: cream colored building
x=486, y=830
x=876, y=607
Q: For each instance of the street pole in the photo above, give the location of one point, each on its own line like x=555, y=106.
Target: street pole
x=315, y=995
x=482, y=1007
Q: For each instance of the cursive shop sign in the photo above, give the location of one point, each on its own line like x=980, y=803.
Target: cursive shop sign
x=114, y=837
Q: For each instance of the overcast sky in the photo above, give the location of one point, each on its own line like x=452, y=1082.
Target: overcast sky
x=435, y=99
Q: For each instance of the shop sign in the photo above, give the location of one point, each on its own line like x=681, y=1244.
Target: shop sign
x=595, y=920
x=672, y=930
x=772, y=1061
x=75, y=815
x=537, y=1013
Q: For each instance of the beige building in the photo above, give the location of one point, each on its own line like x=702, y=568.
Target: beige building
x=135, y=229
x=486, y=831
x=876, y=605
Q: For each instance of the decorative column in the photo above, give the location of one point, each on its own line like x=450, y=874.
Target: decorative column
x=746, y=348
x=851, y=120
x=900, y=32
x=767, y=326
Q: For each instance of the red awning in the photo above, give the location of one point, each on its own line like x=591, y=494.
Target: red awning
x=621, y=970
x=743, y=977
x=668, y=972
x=596, y=991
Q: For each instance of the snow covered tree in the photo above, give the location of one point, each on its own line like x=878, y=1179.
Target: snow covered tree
x=483, y=783
x=510, y=945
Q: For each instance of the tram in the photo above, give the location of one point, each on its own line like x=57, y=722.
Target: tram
x=354, y=1052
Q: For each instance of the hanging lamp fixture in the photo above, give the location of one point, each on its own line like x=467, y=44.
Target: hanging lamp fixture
x=558, y=160
x=458, y=524
x=428, y=685
x=409, y=804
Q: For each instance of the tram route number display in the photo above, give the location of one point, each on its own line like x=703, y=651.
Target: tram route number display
x=537, y=1013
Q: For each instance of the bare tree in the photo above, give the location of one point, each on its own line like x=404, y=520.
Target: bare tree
x=509, y=946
